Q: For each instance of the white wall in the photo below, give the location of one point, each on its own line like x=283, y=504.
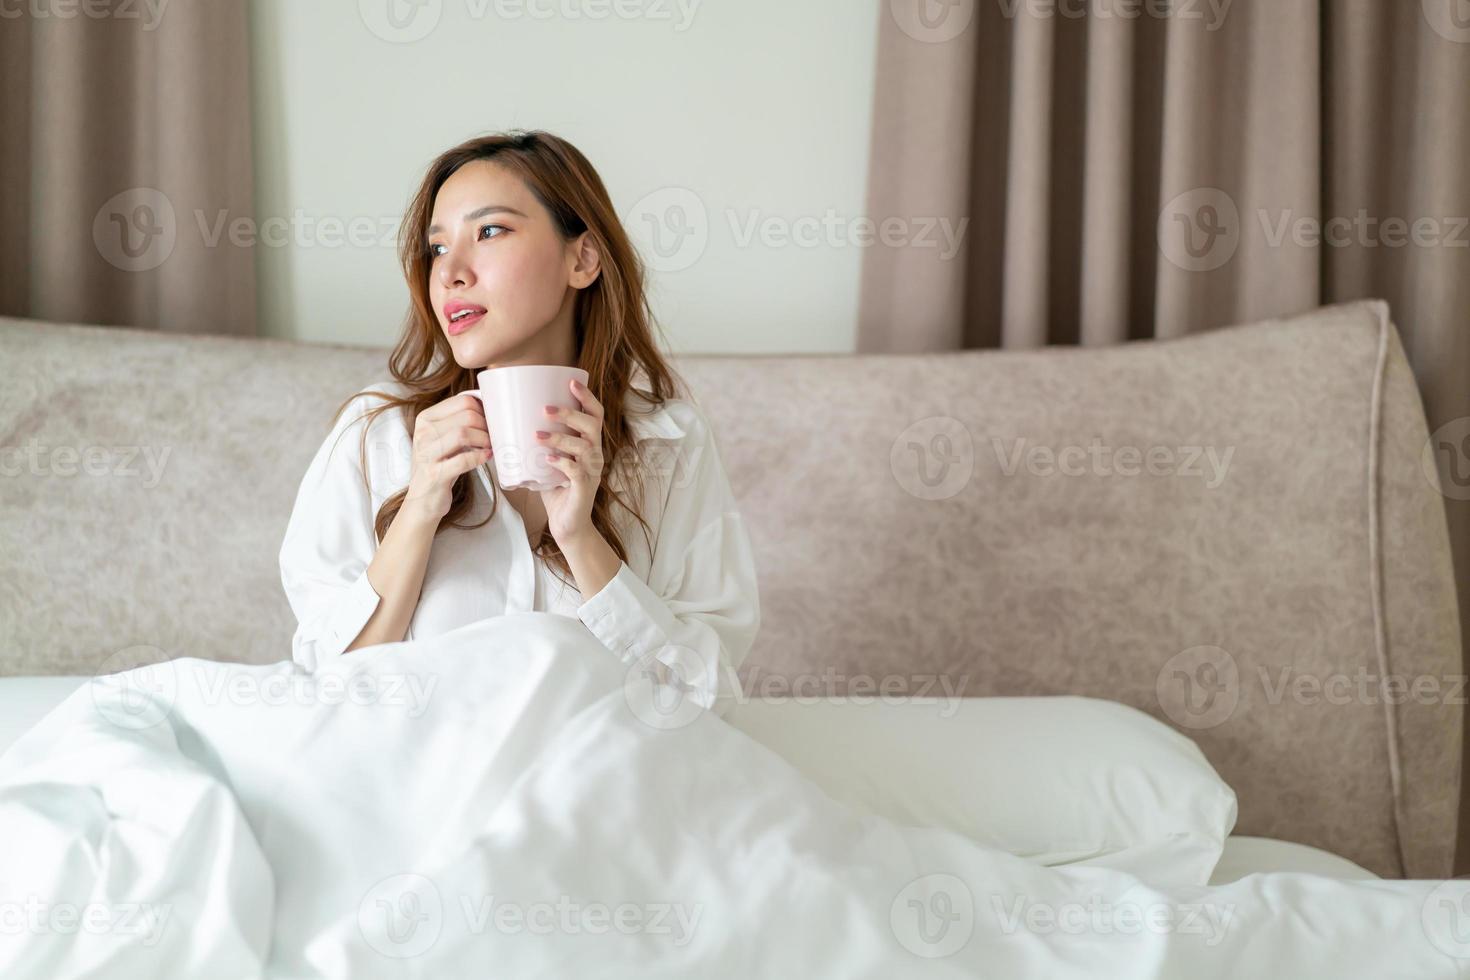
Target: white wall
x=760, y=108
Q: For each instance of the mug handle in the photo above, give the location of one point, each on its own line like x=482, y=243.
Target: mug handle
x=477, y=393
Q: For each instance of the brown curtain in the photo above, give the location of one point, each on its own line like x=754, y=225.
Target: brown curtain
x=1148, y=168
x=125, y=157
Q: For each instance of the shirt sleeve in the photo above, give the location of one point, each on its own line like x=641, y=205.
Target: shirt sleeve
x=699, y=610
x=328, y=545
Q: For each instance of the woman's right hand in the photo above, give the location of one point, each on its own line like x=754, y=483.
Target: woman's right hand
x=449, y=439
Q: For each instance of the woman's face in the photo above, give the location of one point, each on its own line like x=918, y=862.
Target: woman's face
x=502, y=280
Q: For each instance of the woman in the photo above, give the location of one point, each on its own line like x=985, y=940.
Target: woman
x=514, y=255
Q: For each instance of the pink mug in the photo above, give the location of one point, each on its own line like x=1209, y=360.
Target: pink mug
x=515, y=398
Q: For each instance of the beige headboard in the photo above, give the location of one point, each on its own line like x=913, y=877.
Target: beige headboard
x=897, y=543
x=1319, y=557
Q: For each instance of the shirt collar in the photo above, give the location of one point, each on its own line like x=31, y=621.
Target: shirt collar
x=648, y=421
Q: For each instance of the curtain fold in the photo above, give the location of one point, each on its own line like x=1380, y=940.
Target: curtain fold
x=1133, y=170
x=126, y=159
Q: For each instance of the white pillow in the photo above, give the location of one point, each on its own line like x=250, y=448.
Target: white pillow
x=1252, y=855
x=26, y=700
x=1059, y=780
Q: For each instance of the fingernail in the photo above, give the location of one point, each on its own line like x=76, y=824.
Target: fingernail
x=542, y=435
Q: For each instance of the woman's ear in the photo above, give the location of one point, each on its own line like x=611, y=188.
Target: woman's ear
x=584, y=261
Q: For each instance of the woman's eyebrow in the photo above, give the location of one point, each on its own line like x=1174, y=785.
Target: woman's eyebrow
x=480, y=213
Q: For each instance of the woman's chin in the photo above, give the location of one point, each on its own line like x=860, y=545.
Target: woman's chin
x=471, y=354
x=479, y=347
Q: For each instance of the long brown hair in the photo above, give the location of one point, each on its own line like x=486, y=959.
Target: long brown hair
x=612, y=322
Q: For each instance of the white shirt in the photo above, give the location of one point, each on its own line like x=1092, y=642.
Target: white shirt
x=691, y=605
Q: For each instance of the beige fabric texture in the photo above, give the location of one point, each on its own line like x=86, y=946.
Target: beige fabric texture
x=1321, y=550
x=126, y=147
x=1327, y=141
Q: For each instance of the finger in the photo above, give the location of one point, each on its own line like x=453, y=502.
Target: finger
x=569, y=444
x=471, y=435
x=580, y=452
x=468, y=460
x=589, y=401
x=468, y=416
x=454, y=442
x=459, y=403
x=456, y=420
x=451, y=467
x=580, y=421
x=462, y=427
x=568, y=466
x=465, y=409
x=583, y=468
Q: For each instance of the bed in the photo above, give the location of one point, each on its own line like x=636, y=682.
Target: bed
x=25, y=700
x=1233, y=533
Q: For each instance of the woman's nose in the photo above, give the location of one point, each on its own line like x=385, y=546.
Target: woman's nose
x=453, y=271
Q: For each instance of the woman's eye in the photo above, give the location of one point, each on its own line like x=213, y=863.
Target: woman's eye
x=436, y=249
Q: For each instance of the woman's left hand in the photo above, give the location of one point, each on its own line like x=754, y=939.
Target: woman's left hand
x=569, y=509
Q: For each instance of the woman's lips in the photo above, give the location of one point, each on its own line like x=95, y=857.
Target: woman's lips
x=464, y=323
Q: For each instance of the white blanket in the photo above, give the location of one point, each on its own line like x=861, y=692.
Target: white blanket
x=503, y=800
